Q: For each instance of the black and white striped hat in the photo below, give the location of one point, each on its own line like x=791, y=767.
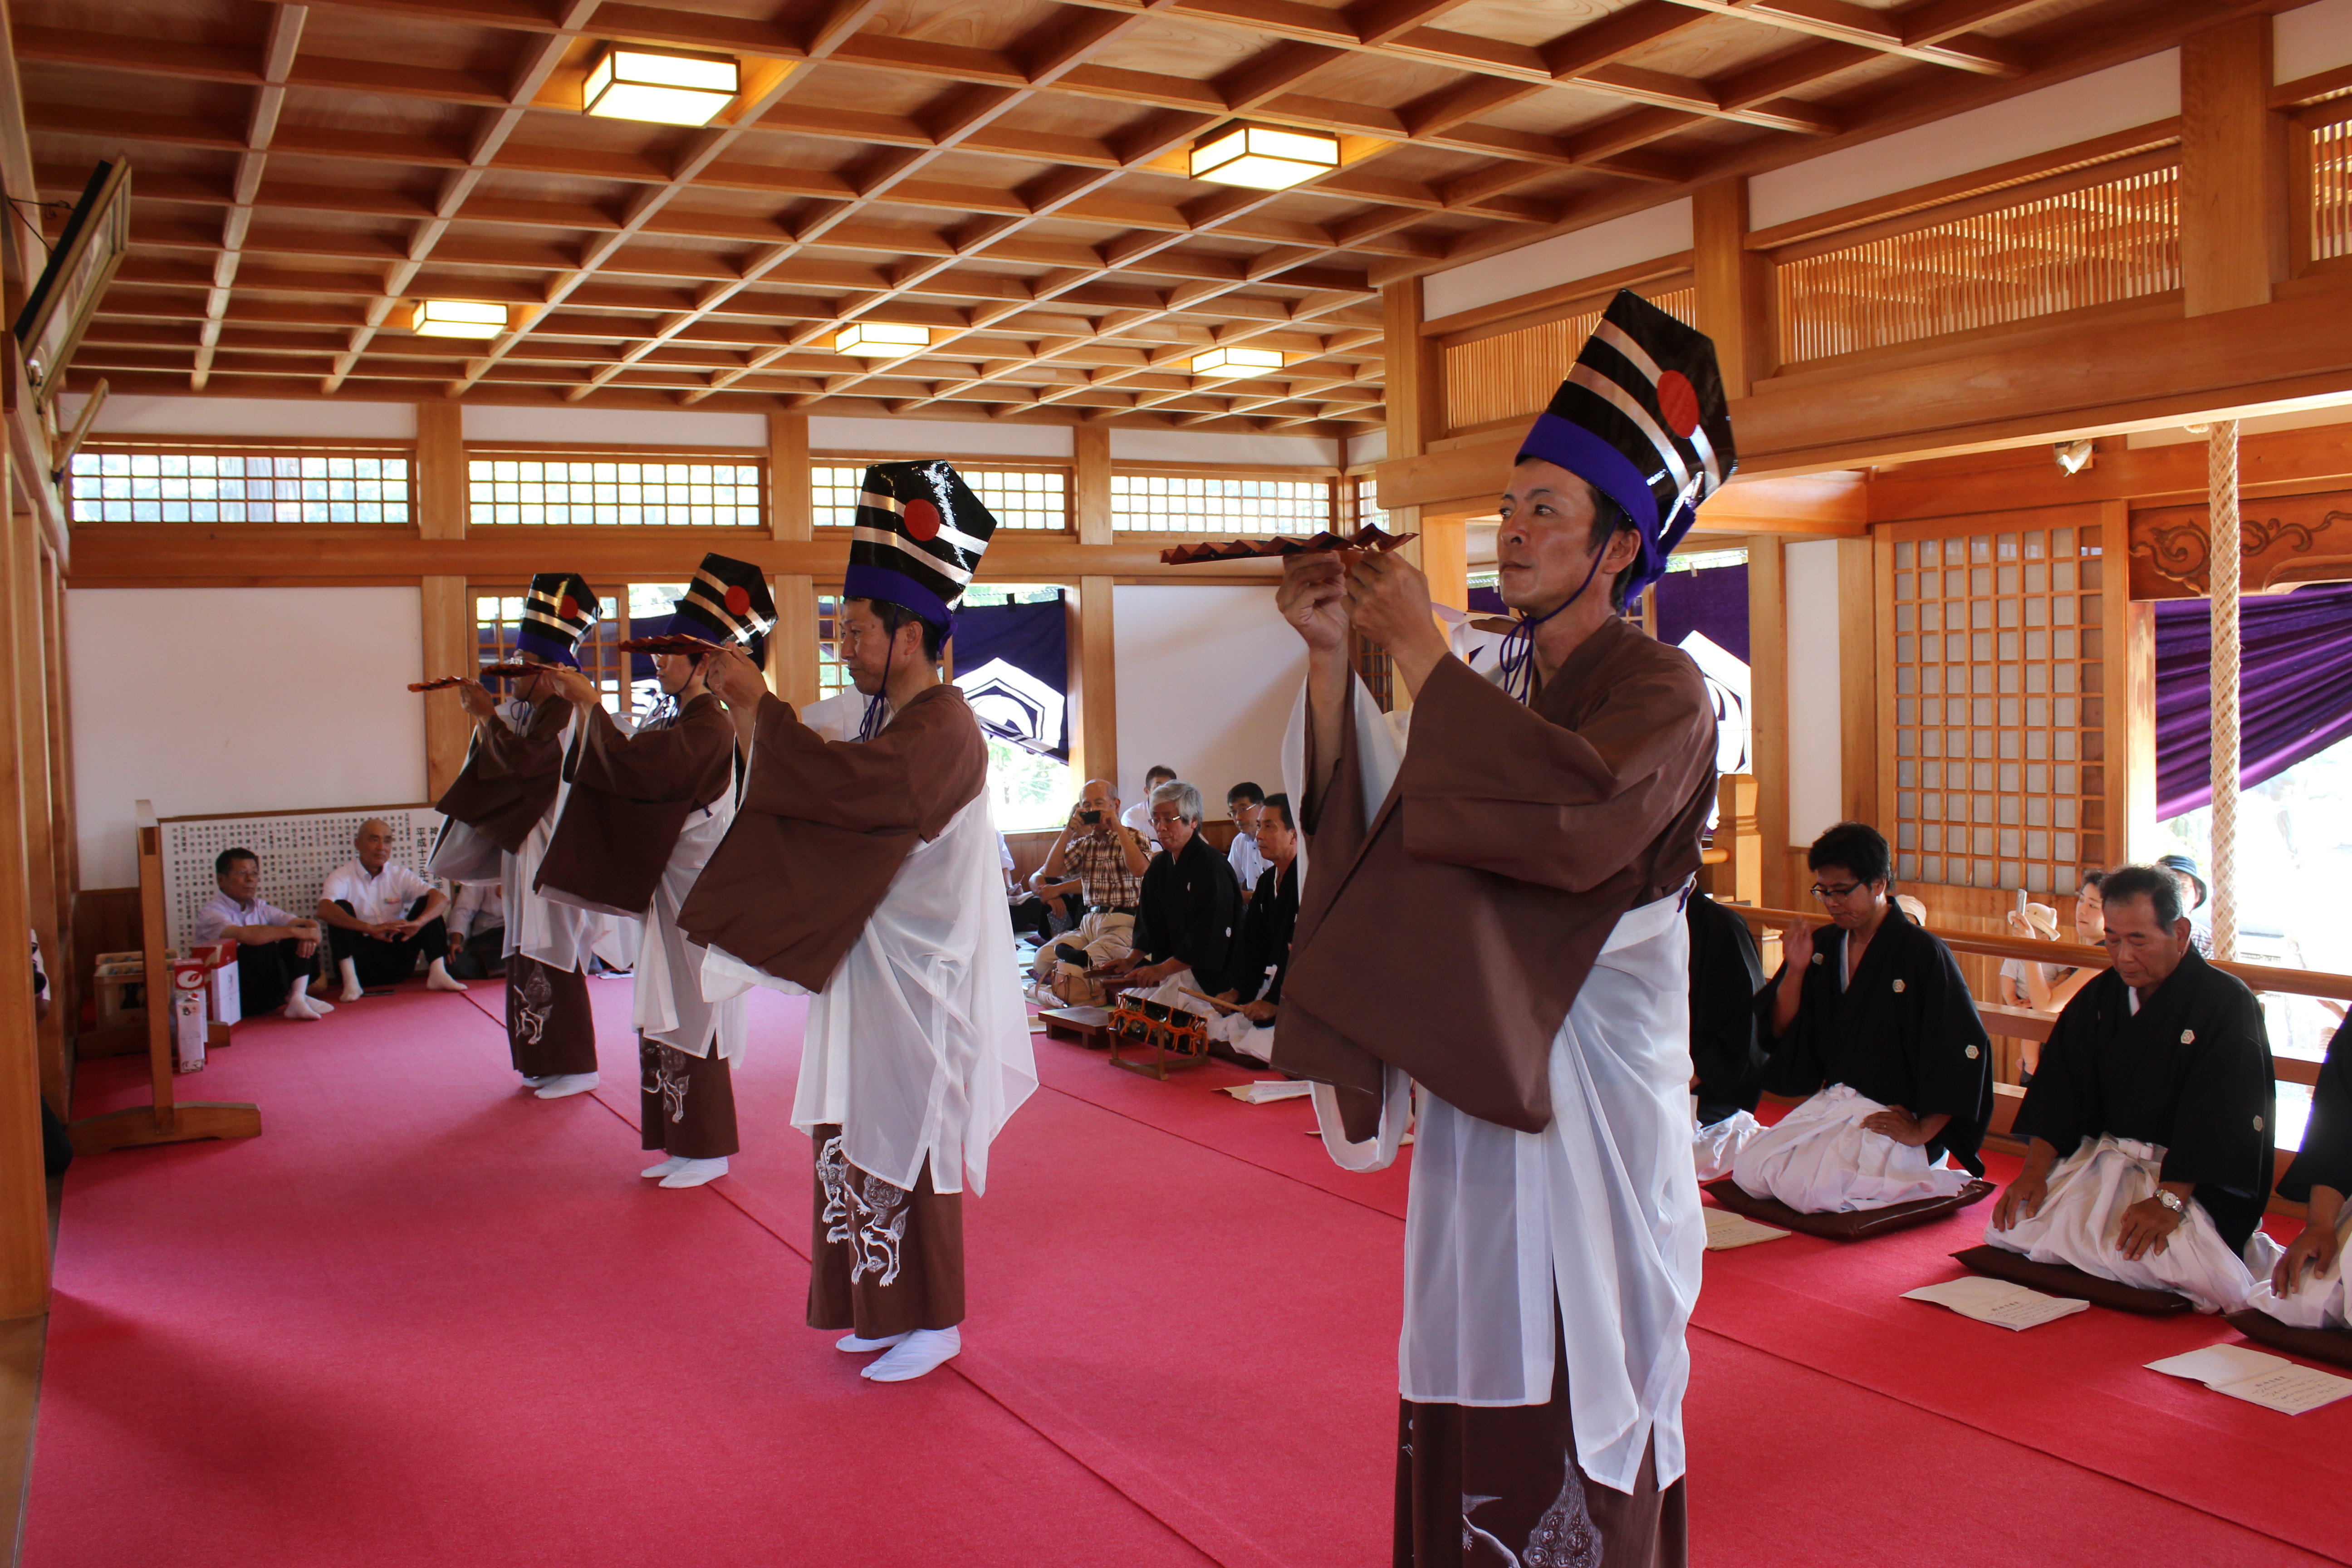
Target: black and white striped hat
x=557, y=611
x=728, y=601
x=918, y=536
x=1643, y=417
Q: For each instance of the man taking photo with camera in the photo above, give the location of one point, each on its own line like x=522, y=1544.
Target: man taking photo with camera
x=1107, y=858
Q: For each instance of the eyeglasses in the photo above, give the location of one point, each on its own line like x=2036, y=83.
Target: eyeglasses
x=1836, y=894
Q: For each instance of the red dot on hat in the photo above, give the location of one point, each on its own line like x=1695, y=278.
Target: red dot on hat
x=739, y=599
x=569, y=609
x=1678, y=401
x=922, y=519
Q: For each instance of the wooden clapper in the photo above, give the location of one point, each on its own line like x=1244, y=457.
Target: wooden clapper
x=166, y=1120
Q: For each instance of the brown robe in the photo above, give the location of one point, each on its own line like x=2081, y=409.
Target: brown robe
x=823, y=827
x=510, y=778
x=1513, y=840
x=631, y=796
x=885, y=1259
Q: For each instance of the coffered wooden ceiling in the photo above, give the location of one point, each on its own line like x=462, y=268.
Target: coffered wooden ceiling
x=1006, y=173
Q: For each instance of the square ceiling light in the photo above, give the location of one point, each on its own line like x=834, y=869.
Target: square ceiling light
x=1264, y=157
x=458, y=319
x=880, y=340
x=659, y=85
x=1236, y=361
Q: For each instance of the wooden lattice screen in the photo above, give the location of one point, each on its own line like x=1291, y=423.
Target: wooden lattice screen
x=2331, y=189
x=2098, y=245
x=1511, y=373
x=2002, y=708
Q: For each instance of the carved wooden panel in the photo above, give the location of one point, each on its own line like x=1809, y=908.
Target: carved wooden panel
x=2282, y=539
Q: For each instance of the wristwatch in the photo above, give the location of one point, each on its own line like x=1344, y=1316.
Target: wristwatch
x=2171, y=1200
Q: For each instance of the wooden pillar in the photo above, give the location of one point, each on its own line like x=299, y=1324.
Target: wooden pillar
x=791, y=645
x=792, y=504
x=1094, y=684
x=25, y=606
x=1090, y=503
x=450, y=649
x=440, y=470
x=1733, y=283
x=2233, y=169
x=1415, y=395
x=1768, y=708
x=24, y=1184
x=1860, y=723
x=1445, y=559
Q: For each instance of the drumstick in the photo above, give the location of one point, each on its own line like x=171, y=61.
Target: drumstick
x=487, y=672
x=1370, y=539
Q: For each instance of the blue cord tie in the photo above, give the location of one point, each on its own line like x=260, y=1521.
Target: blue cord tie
x=1517, y=658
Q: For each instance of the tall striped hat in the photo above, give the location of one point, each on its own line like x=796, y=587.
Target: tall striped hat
x=918, y=537
x=557, y=612
x=1642, y=416
x=728, y=601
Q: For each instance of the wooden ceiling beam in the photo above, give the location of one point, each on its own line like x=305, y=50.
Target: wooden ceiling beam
x=1883, y=31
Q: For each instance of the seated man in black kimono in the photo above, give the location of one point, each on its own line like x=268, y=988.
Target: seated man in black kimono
x=1727, y=1057
x=1190, y=910
x=2151, y=1117
x=2307, y=1287
x=1262, y=956
x=1870, y=1016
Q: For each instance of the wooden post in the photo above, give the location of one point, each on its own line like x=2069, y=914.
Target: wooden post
x=1415, y=398
x=791, y=645
x=1767, y=710
x=24, y=1184
x=1090, y=502
x=2233, y=169
x=1860, y=723
x=1733, y=284
x=1735, y=830
x=792, y=504
x=27, y=602
x=440, y=470
x=1094, y=685
x=450, y=649
x=1445, y=559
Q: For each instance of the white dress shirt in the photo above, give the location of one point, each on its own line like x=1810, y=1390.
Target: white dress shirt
x=1248, y=862
x=378, y=900
x=220, y=912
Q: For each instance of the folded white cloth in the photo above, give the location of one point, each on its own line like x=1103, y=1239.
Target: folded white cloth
x=1818, y=1160
x=2082, y=1214
x=1714, y=1149
x=2320, y=1302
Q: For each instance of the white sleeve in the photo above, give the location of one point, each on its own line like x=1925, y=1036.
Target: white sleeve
x=412, y=886
x=338, y=888
x=211, y=921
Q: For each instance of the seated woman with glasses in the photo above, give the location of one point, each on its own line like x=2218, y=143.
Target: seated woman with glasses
x=1870, y=1016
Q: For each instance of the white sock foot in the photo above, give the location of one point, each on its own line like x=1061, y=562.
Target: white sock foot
x=437, y=978
x=309, y=1009
x=694, y=1173
x=918, y=1353
x=664, y=1169
x=540, y=1081
x=856, y=1346
x=556, y=1087
x=353, y=990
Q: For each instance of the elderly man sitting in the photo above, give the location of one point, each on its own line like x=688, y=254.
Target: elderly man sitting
x=1870, y=1016
x=1105, y=859
x=1262, y=953
x=274, y=948
x=380, y=916
x=1191, y=905
x=2151, y=1117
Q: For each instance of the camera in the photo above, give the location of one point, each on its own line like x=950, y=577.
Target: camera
x=1090, y=818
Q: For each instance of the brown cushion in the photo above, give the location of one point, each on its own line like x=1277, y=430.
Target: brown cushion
x=2315, y=1344
x=1853, y=1226
x=2065, y=1279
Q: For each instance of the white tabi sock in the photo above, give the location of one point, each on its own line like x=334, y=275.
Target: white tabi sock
x=856, y=1346
x=300, y=1005
x=540, y=1081
x=917, y=1354
x=563, y=1084
x=437, y=978
x=694, y=1173
x=664, y=1168
x=353, y=990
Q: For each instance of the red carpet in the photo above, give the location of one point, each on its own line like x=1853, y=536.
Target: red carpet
x=427, y=1319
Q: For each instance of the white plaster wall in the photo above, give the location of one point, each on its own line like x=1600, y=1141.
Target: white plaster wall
x=2311, y=39
x=1371, y=448
x=1204, y=446
x=219, y=699
x=2104, y=102
x=621, y=426
x=1207, y=675
x=1638, y=237
x=947, y=437
x=332, y=420
x=1816, y=781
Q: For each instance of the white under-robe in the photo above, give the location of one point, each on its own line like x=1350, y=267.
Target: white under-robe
x=559, y=935
x=1714, y=1147
x=2323, y=1300
x=1819, y=1159
x=917, y=1048
x=1601, y=1210
x=670, y=1009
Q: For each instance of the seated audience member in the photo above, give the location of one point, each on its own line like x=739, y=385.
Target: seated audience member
x=1139, y=816
x=1870, y=1016
x=1726, y=1058
x=274, y=950
x=2190, y=880
x=1242, y=803
x=2149, y=1123
x=477, y=932
x=1032, y=915
x=380, y=916
x=2048, y=987
x=2307, y=1288
x=1105, y=859
x=1190, y=905
x=1262, y=954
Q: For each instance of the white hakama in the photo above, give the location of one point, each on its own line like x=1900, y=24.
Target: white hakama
x=1715, y=1149
x=1818, y=1160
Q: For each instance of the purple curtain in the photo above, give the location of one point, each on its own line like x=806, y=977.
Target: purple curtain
x=1713, y=600
x=2295, y=679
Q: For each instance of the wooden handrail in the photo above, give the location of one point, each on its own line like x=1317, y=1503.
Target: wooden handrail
x=2257, y=976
